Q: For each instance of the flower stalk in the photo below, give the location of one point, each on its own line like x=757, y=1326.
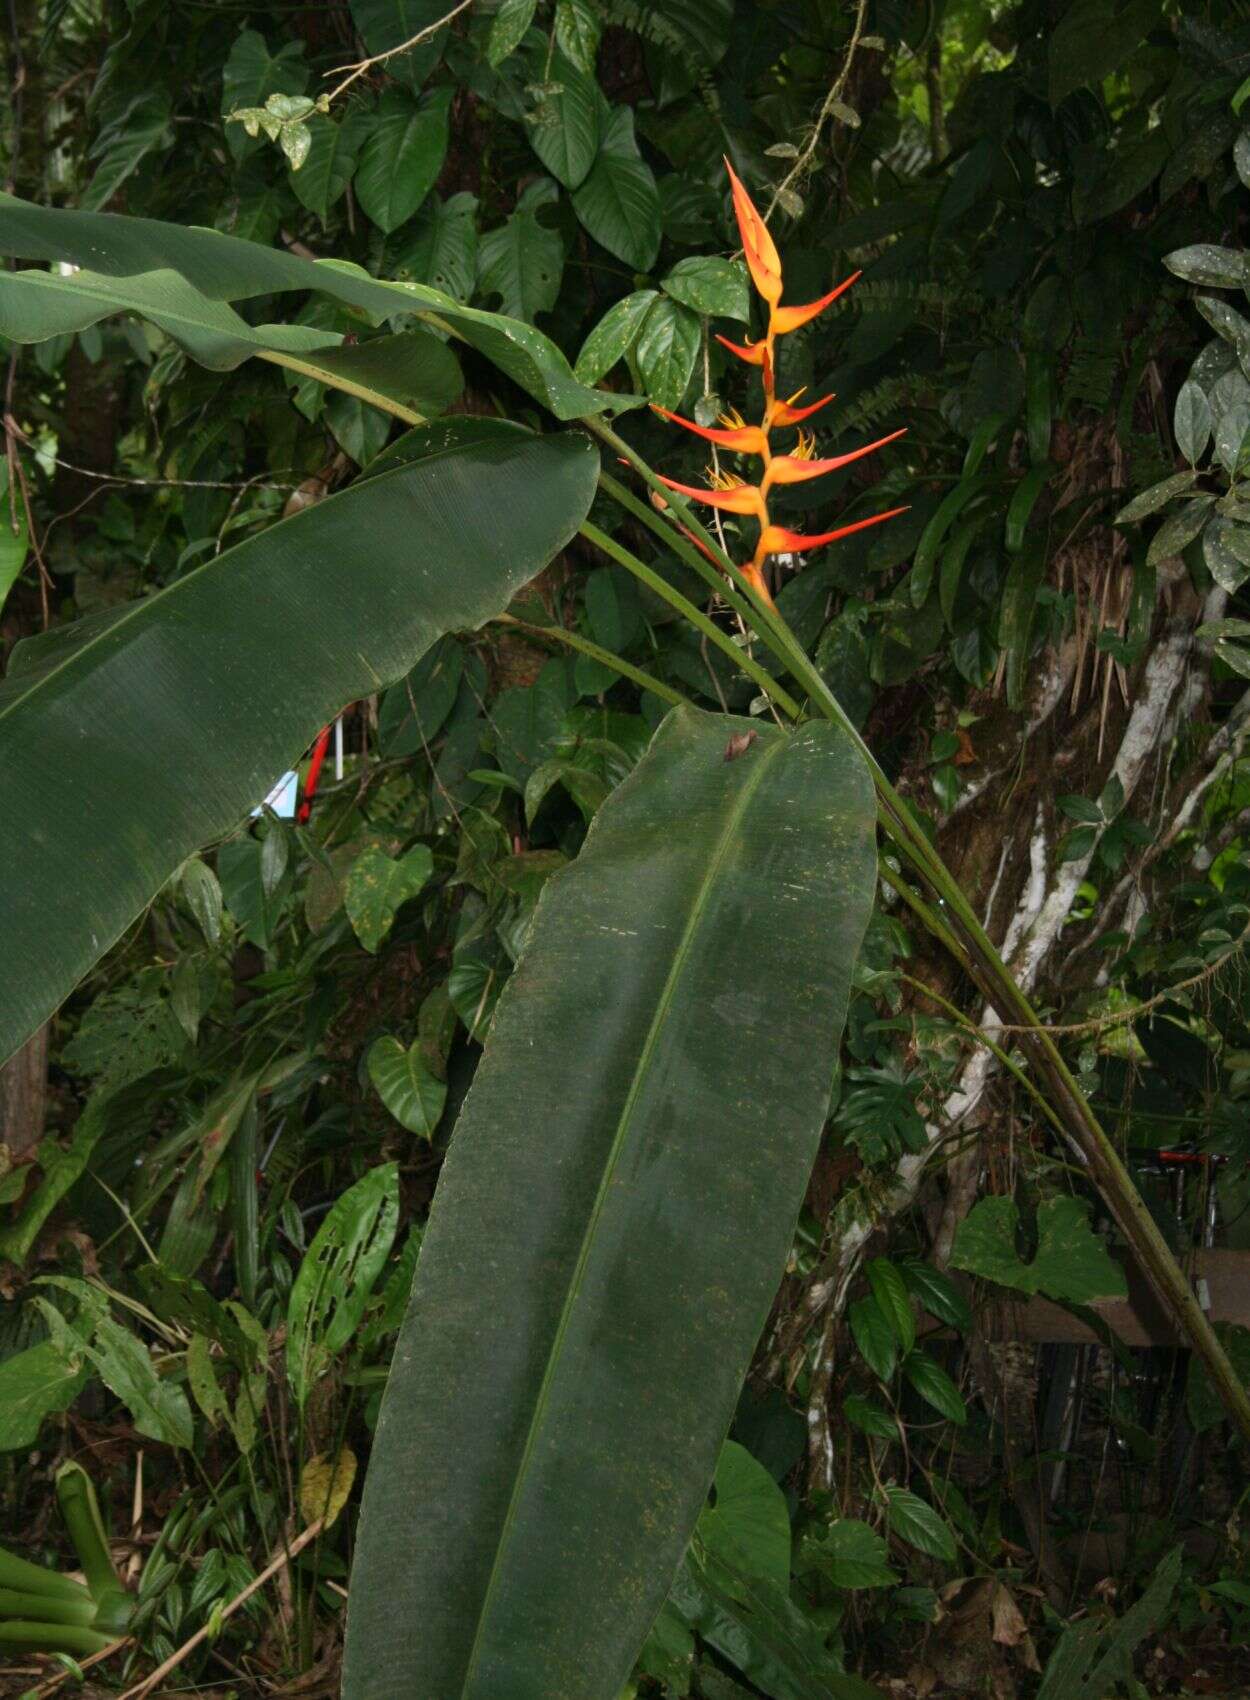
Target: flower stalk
x=959, y=925
x=730, y=493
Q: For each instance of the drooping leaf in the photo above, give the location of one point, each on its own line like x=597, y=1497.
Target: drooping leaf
x=568, y=143
x=14, y=535
x=404, y=374
x=136, y=804
x=251, y=74
x=666, y=350
x=853, y=1555
x=523, y=1489
x=937, y=1293
x=440, y=246
x=875, y=1338
x=521, y=262
x=121, y=1359
x=578, y=27
x=613, y=336
x=710, y=285
x=934, y=1385
x=915, y=1521
x=1191, y=422
x=749, y=1523
x=226, y=268
x=890, y=1291
x=34, y=1384
x=378, y=884
x=508, y=27
x=333, y=148
x=325, y=1483
x=1156, y=497
x=762, y=1632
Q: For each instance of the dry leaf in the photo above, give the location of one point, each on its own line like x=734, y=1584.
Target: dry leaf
x=1010, y=1628
x=324, y=1486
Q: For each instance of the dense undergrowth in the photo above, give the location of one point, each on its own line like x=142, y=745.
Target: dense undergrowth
x=219, y=1156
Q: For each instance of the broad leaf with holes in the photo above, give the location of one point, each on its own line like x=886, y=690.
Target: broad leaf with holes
x=580, y=1328
x=338, y=1275
x=136, y=735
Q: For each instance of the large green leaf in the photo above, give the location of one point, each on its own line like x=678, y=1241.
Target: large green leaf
x=1071, y=1262
x=618, y=202
x=225, y=268
x=386, y=24
x=410, y=375
x=137, y=735
x=568, y=142
x=581, y=1320
x=522, y=261
x=403, y=155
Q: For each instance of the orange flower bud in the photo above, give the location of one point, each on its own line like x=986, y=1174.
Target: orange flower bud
x=754, y=353
x=785, y=412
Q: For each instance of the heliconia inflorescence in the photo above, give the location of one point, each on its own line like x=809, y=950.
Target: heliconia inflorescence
x=732, y=494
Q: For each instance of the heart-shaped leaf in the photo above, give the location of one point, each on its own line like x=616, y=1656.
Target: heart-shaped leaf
x=378, y=884
x=406, y=1086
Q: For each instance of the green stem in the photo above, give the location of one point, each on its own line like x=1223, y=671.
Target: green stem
x=575, y=640
x=46, y=1608
x=23, y=1577
x=69, y=1638
x=981, y=1037
x=696, y=617
x=989, y=972
x=76, y=1497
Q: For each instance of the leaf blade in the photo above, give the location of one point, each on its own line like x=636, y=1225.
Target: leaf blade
x=503, y=1611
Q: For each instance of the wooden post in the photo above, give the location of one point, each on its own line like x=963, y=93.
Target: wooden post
x=24, y=1097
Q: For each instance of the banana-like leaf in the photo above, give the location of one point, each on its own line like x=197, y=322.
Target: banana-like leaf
x=410, y=375
x=226, y=268
x=133, y=737
x=612, y=1221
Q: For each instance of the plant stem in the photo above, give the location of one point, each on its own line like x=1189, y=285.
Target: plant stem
x=697, y=618
x=46, y=1608
x=26, y=1578
x=575, y=640
x=76, y=1497
x=990, y=974
x=71, y=1638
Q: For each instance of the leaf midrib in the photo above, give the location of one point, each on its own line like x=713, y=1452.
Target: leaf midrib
x=663, y=1008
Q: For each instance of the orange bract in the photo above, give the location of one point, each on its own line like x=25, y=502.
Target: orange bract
x=776, y=540
x=743, y=439
x=763, y=260
x=729, y=493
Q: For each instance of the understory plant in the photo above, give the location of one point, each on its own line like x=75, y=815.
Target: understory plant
x=574, y=1348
